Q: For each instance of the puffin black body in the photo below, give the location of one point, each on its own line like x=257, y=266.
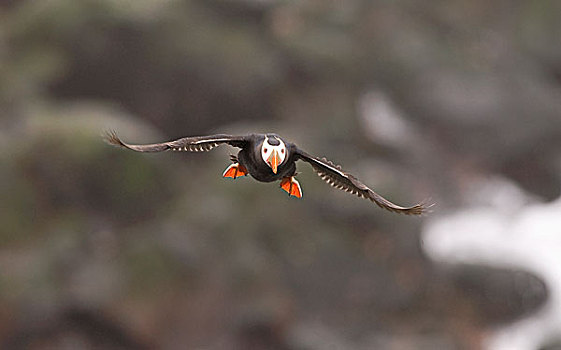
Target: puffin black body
x=250, y=157
x=268, y=158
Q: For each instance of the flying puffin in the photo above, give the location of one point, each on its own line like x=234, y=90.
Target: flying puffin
x=268, y=158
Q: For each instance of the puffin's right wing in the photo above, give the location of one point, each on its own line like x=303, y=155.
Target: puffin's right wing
x=336, y=177
x=188, y=144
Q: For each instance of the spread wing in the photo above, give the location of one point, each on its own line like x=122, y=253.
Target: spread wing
x=186, y=144
x=336, y=177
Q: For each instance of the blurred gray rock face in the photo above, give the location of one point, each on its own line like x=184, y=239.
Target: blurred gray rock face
x=501, y=295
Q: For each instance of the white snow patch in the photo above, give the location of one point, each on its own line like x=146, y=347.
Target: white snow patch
x=507, y=231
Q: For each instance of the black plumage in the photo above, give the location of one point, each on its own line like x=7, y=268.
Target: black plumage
x=252, y=159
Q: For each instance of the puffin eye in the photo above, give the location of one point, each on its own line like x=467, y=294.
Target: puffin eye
x=265, y=149
x=282, y=151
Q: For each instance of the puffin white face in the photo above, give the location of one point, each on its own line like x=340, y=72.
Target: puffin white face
x=273, y=152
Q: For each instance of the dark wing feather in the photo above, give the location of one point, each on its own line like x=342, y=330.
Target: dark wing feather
x=186, y=144
x=336, y=177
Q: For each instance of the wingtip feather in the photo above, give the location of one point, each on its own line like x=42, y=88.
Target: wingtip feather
x=111, y=138
x=421, y=209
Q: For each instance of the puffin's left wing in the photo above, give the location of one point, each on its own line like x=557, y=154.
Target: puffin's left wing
x=336, y=177
x=188, y=144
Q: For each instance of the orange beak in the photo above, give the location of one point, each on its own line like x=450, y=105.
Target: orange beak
x=274, y=161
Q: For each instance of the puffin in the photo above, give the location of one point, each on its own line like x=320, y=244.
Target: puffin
x=269, y=158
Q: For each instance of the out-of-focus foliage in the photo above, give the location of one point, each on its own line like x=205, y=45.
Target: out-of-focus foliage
x=100, y=247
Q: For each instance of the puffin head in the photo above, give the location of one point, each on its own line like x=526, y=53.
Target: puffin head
x=273, y=152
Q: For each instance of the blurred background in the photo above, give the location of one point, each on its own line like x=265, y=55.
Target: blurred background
x=458, y=101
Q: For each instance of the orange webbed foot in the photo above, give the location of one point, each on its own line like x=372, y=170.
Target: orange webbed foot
x=235, y=170
x=291, y=186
